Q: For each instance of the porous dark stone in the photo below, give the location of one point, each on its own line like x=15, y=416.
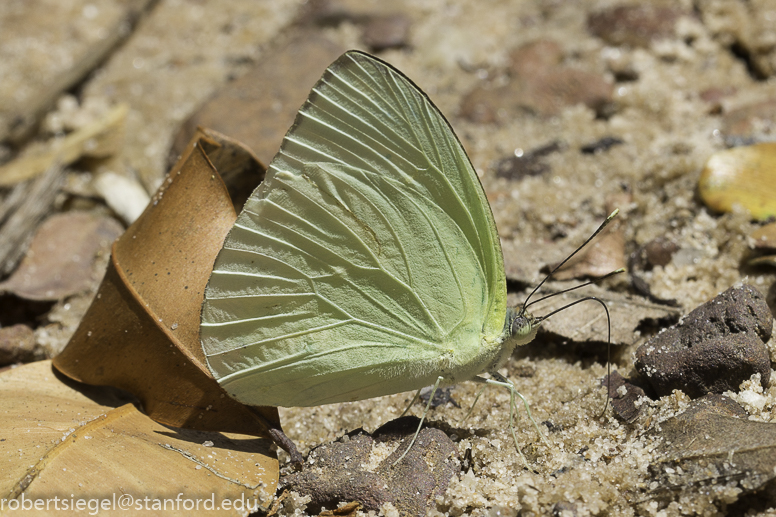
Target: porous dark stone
x=336, y=472
x=713, y=349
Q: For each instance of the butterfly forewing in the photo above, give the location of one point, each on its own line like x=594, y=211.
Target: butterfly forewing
x=367, y=260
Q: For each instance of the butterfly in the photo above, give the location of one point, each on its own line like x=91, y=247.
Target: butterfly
x=368, y=262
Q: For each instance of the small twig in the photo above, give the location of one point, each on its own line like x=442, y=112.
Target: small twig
x=193, y=458
x=37, y=197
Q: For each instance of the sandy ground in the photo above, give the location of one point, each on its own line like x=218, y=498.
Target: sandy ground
x=674, y=86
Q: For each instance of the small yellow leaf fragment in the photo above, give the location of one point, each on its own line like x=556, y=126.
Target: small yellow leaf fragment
x=744, y=176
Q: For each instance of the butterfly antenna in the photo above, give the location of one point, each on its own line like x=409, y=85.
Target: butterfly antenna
x=556, y=268
x=584, y=284
x=608, y=332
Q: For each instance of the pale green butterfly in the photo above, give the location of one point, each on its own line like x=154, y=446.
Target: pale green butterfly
x=367, y=263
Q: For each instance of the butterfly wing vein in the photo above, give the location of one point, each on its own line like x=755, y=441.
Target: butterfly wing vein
x=367, y=262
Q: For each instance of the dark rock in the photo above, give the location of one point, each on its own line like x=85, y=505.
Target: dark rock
x=633, y=25
x=335, y=472
x=425, y=471
x=713, y=349
x=623, y=394
x=658, y=252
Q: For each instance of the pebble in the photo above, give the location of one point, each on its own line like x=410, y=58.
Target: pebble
x=17, y=344
x=660, y=251
x=633, y=25
x=713, y=349
x=386, y=31
x=538, y=84
x=336, y=471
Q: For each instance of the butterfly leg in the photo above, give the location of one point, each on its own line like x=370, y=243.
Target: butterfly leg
x=499, y=380
x=414, y=399
x=425, y=412
x=471, y=409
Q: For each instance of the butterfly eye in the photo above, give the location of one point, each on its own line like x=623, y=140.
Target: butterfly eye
x=522, y=324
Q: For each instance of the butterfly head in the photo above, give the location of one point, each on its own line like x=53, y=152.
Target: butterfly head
x=521, y=325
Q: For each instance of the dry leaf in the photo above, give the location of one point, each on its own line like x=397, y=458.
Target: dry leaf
x=61, y=258
x=237, y=164
x=60, y=438
x=605, y=253
x=742, y=176
x=764, y=237
x=706, y=450
x=763, y=241
x=586, y=322
x=141, y=333
x=259, y=107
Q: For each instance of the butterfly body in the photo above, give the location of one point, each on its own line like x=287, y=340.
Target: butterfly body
x=367, y=263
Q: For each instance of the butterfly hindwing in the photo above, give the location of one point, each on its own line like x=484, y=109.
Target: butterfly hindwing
x=365, y=262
